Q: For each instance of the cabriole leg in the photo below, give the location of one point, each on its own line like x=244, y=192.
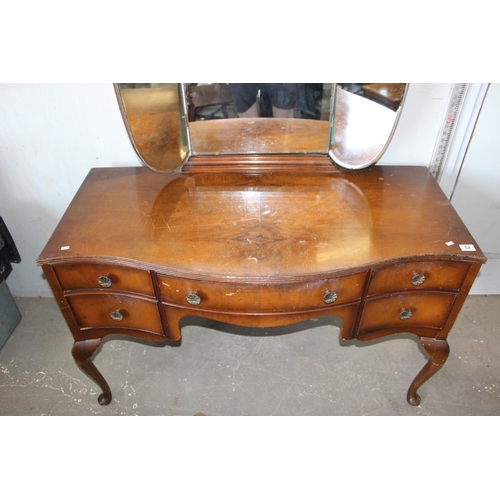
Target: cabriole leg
x=438, y=350
x=82, y=351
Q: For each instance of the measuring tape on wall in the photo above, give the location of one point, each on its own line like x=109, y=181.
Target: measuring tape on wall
x=445, y=137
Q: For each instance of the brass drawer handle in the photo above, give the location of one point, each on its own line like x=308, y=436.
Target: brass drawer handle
x=405, y=314
x=104, y=281
x=116, y=315
x=418, y=279
x=193, y=298
x=330, y=297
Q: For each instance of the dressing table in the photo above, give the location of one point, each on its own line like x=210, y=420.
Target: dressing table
x=259, y=238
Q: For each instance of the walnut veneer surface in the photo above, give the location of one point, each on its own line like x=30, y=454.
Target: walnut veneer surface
x=136, y=251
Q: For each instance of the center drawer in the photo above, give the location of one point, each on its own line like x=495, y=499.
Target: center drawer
x=104, y=277
x=261, y=297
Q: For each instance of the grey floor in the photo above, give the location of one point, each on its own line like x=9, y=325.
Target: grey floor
x=221, y=370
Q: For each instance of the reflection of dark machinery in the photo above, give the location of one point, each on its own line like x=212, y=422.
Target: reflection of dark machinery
x=312, y=97
x=215, y=100
x=208, y=101
x=309, y=101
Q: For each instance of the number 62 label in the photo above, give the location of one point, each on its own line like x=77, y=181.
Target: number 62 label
x=467, y=248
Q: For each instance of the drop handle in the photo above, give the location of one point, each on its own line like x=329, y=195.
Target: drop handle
x=418, y=279
x=104, y=281
x=330, y=297
x=405, y=314
x=116, y=315
x=193, y=298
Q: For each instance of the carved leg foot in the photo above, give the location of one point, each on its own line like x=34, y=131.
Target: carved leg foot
x=438, y=350
x=82, y=351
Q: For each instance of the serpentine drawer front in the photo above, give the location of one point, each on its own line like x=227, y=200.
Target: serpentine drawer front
x=380, y=248
x=114, y=310
x=425, y=310
x=262, y=297
x=419, y=275
x=104, y=277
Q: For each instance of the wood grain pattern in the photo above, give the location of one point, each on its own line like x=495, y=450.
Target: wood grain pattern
x=438, y=275
x=429, y=310
x=85, y=276
x=154, y=124
x=264, y=297
x=262, y=227
x=388, y=94
x=94, y=311
x=259, y=135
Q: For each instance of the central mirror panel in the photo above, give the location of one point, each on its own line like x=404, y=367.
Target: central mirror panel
x=259, y=118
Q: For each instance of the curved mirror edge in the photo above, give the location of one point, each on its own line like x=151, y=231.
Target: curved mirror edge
x=164, y=148
x=353, y=145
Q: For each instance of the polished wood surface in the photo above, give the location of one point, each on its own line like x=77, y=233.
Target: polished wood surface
x=86, y=276
x=264, y=297
x=259, y=135
x=259, y=226
x=137, y=251
x=388, y=94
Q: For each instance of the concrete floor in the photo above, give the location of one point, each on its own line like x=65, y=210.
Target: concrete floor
x=225, y=370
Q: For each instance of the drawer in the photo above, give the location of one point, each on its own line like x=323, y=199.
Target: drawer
x=262, y=297
x=104, y=277
x=98, y=310
x=418, y=275
x=426, y=310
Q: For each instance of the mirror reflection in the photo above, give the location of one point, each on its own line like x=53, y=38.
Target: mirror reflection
x=153, y=115
x=366, y=115
x=208, y=101
x=300, y=113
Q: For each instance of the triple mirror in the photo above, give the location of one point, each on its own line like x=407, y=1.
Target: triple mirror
x=168, y=123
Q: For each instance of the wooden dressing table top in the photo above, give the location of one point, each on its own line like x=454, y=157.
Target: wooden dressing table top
x=260, y=227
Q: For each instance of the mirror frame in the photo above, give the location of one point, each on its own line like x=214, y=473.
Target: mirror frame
x=187, y=143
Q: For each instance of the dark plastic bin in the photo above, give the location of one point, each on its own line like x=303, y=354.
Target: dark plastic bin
x=9, y=312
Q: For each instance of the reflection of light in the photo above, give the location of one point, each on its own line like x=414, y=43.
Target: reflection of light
x=249, y=195
x=354, y=239
x=342, y=251
x=362, y=132
x=362, y=129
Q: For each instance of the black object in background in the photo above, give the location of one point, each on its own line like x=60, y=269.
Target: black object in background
x=8, y=251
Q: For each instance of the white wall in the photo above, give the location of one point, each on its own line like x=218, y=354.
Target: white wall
x=476, y=196
x=52, y=134
x=419, y=125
